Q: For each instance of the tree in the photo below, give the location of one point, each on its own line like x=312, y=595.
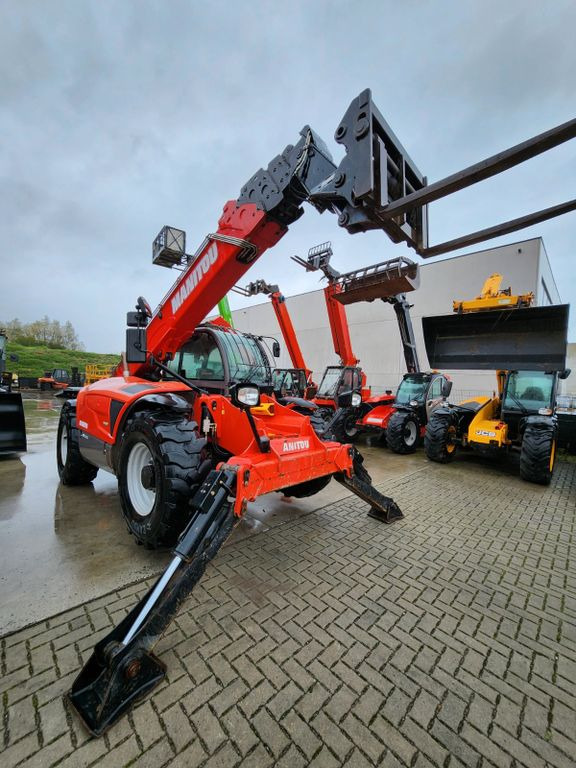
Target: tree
x=45, y=332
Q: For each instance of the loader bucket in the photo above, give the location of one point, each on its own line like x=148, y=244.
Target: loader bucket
x=379, y=281
x=530, y=339
x=12, y=427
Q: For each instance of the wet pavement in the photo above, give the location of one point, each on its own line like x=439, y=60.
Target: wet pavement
x=65, y=545
x=328, y=639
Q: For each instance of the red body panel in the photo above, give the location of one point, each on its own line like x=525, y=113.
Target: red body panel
x=93, y=402
x=378, y=417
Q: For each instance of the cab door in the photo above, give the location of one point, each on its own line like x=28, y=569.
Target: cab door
x=434, y=395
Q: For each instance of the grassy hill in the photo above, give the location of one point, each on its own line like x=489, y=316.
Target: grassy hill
x=34, y=361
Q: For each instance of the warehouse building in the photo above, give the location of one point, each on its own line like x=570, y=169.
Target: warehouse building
x=373, y=327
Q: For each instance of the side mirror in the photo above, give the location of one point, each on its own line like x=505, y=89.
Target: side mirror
x=446, y=388
x=143, y=306
x=565, y=373
x=276, y=349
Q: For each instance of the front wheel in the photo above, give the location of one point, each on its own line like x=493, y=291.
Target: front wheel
x=403, y=432
x=538, y=454
x=162, y=462
x=345, y=429
x=440, y=438
x=73, y=469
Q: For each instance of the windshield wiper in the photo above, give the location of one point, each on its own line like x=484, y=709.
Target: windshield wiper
x=518, y=402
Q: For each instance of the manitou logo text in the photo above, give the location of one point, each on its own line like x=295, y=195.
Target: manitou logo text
x=192, y=281
x=295, y=445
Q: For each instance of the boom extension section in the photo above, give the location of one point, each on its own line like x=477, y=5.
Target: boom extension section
x=319, y=259
x=389, y=281
x=375, y=186
x=284, y=320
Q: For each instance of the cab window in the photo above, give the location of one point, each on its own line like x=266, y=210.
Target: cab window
x=199, y=359
x=435, y=390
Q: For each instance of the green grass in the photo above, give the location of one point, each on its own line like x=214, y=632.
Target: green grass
x=34, y=361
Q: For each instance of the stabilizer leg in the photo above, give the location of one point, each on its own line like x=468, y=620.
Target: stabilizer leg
x=382, y=507
x=122, y=668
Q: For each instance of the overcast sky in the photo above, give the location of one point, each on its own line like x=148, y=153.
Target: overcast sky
x=118, y=117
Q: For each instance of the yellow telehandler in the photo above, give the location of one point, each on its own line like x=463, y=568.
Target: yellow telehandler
x=527, y=347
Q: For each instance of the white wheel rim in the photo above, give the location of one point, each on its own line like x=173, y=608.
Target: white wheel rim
x=410, y=433
x=64, y=445
x=141, y=498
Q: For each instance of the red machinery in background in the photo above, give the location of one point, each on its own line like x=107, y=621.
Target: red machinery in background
x=295, y=382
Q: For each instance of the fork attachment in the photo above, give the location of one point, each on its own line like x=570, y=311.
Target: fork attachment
x=122, y=669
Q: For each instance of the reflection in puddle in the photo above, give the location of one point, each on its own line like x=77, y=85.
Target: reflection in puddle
x=12, y=476
x=41, y=416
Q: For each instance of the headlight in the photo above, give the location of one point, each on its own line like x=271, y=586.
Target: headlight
x=545, y=411
x=356, y=399
x=249, y=396
x=414, y=403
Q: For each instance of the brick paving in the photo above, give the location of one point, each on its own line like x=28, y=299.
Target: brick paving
x=447, y=639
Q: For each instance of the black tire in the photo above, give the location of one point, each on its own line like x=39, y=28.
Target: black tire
x=346, y=430
x=72, y=467
x=162, y=462
x=311, y=487
x=538, y=453
x=403, y=432
x=439, y=440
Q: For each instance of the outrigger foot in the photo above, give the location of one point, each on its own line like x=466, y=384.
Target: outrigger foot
x=122, y=668
x=382, y=507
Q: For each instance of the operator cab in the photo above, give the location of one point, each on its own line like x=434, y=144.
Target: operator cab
x=338, y=380
x=527, y=393
x=215, y=358
x=422, y=391
x=289, y=382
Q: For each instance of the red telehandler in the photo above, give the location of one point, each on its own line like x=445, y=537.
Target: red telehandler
x=188, y=424
x=389, y=280
x=400, y=420
x=295, y=382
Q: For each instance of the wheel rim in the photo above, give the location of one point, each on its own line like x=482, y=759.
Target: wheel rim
x=140, y=461
x=64, y=445
x=450, y=444
x=350, y=427
x=410, y=433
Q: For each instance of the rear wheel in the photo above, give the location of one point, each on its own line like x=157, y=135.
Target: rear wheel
x=403, y=432
x=538, y=453
x=162, y=462
x=72, y=467
x=440, y=438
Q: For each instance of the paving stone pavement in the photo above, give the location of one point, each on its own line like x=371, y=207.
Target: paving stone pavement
x=446, y=639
